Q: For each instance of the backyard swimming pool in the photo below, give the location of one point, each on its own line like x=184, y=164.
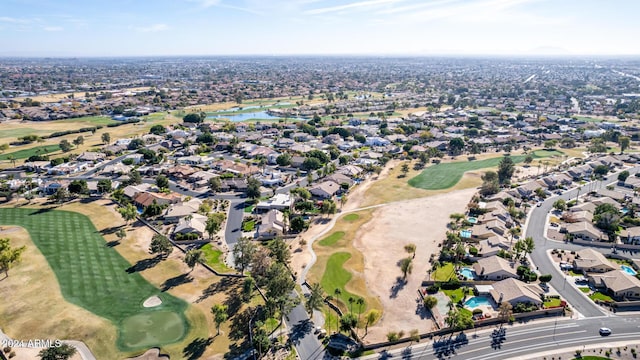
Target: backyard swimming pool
x=476, y=301
x=472, y=220
x=628, y=270
x=468, y=273
x=465, y=233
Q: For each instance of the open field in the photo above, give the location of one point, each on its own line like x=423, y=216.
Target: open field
x=95, y=277
x=51, y=98
x=198, y=287
x=446, y=175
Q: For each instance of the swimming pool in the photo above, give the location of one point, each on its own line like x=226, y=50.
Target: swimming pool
x=472, y=220
x=628, y=270
x=476, y=301
x=465, y=233
x=468, y=273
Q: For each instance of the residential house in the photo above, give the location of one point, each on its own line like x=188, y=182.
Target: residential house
x=495, y=268
x=132, y=191
x=515, y=291
x=277, y=202
x=340, y=179
x=586, y=231
x=91, y=156
x=191, y=224
x=177, y=211
x=618, y=283
x=272, y=225
x=325, y=189
x=117, y=169
x=145, y=199
x=590, y=260
x=631, y=235
x=491, y=246
x=50, y=187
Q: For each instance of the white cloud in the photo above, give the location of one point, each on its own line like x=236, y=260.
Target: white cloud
x=15, y=20
x=152, y=28
x=53, y=28
x=362, y=5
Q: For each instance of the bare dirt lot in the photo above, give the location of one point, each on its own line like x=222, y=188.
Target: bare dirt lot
x=382, y=240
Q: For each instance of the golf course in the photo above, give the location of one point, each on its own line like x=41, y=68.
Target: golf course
x=95, y=276
x=446, y=175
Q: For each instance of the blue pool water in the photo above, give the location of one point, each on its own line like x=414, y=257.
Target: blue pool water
x=261, y=115
x=465, y=233
x=628, y=270
x=468, y=273
x=476, y=301
x=472, y=220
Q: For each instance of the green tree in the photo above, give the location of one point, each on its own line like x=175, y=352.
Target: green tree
x=243, y=253
x=213, y=224
x=253, y=188
x=162, y=182
x=104, y=186
x=193, y=257
x=298, y=224
x=106, y=138
x=405, y=169
x=505, y=170
x=545, y=278
x=505, y=311
x=157, y=129
x=280, y=251
x=600, y=171
x=283, y=159
x=459, y=320
x=135, y=178
x=528, y=159
x=411, y=249
x=622, y=177
x=160, y=245
x=195, y=118
x=215, y=184
x=315, y=300
x=372, y=316
x=78, y=141
x=128, y=212
x=121, y=234
x=62, y=352
x=65, y=145
x=248, y=285
x=597, y=145
x=456, y=145
x=560, y=205
x=61, y=195
x=79, y=187
x=430, y=301
x=9, y=255
x=220, y=315
x=624, y=142
x=406, y=266
x=490, y=183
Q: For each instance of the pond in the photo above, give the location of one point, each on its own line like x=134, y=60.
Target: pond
x=256, y=115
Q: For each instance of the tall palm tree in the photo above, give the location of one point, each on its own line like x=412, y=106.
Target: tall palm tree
x=315, y=299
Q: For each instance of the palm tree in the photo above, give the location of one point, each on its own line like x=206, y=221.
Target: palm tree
x=360, y=303
x=315, y=299
x=411, y=249
x=406, y=266
x=372, y=316
x=351, y=301
x=514, y=231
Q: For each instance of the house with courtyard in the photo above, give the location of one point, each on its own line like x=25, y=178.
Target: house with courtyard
x=325, y=189
x=495, y=268
x=515, y=292
x=272, y=225
x=617, y=283
x=277, y=202
x=585, y=230
x=590, y=261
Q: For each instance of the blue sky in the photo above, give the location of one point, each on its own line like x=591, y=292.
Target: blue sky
x=284, y=27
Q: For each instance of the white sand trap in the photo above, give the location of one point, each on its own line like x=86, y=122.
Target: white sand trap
x=152, y=302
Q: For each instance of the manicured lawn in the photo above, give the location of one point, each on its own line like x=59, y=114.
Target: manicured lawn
x=351, y=217
x=249, y=209
x=590, y=357
x=336, y=277
x=600, y=296
x=551, y=302
x=443, y=273
x=26, y=153
x=457, y=294
x=95, y=277
x=213, y=258
x=92, y=120
x=332, y=239
x=585, y=289
x=446, y=175
x=248, y=225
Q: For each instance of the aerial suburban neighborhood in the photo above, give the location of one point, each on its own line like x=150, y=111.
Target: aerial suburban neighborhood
x=264, y=205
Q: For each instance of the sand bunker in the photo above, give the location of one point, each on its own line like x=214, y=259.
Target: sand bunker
x=152, y=302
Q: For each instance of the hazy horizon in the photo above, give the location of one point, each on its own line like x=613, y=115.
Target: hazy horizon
x=390, y=28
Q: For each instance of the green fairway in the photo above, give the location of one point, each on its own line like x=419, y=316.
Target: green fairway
x=332, y=239
x=26, y=153
x=95, y=277
x=336, y=277
x=213, y=257
x=446, y=175
x=351, y=217
x=90, y=120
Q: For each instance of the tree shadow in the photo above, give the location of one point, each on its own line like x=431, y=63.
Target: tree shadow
x=176, y=281
x=113, y=243
x=223, y=285
x=43, y=210
x=144, y=264
x=397, y=287
x=239, y=327
x=111, y=230
x=300, y=330
x=233, y=301
x=196, y=348
x=88, y=200
x=421, y=310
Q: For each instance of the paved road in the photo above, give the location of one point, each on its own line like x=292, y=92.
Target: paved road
x=301, y=334
x=535, y=229
x=557, y=336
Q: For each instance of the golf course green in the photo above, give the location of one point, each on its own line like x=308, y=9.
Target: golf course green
x=446, y=175
x=94, y=276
